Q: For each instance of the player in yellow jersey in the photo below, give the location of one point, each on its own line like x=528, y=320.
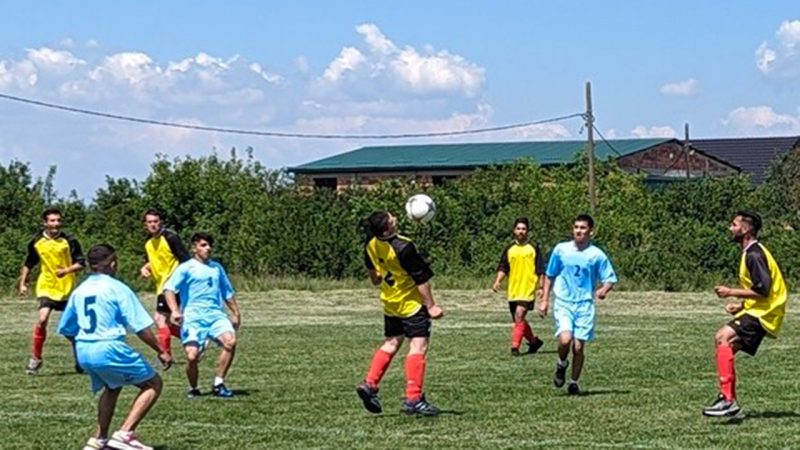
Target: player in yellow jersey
x=396, y=266
x=523, y=264
x=59, y=256
x=164, y=251
x=759, y=312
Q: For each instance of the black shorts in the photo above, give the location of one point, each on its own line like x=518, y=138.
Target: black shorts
x=749, y=331
x=418, y=325
x=45, y=302
x=512, y=307
x=162, y=306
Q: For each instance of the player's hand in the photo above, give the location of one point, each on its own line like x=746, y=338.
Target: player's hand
x=542, y=309
x=539, y=293
x=236, y=321
x=496, y=287
x=166, y=360
x=23, y=290
x=602, y=293
x=145, y=272
x=722, y=291
x=435, y=312
x=733, y=308
x=61, y=272
x=176, y=317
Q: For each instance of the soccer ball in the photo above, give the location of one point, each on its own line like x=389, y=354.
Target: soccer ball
x=420, y=208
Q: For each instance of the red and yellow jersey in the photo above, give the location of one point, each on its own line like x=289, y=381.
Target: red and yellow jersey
x=164, y=253
x=523, y=264
x=402, y=268
x=759, y=272
x=54, y=253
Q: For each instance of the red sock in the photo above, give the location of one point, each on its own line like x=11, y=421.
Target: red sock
x=380, y=362
x=517, y=333
x=164, y=336
x=415, y=376
x=727, y=372
x=529, y=336
x=175, y=330
x=39, y=336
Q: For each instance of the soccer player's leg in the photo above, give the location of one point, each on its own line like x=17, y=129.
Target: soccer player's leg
x=193, y=338
x=534, y=343
x=417, y=329
x=165, y=329
x=221, y=331
x=393, y=339
x=563, y=317
x=517, y=327
x=125, y=438
x=584, y=320
x=46, y=307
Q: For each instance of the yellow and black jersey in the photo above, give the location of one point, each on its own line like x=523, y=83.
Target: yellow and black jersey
x=524, y=265
x=402, y=268
x=164, y=253
x=53, y=253
x=759, y=272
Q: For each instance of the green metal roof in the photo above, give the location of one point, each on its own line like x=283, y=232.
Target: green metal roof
x=460, y=156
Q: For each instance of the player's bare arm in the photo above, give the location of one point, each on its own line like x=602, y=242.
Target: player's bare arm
x=727, y=292
x=23, y=281
x=544, y=302
x=375, y=277
x=498, y=279
x=236, y=316
x=147, y=336
x=172, y=302
x=68, y=270
x=604, y=290
x=427, y=299
x=145, y=271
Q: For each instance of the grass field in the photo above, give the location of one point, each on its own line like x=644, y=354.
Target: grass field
x=646, y=379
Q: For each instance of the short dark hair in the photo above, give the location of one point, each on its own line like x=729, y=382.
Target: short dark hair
x=152, y=212
x=522, y=220
x=50, y=211
x=203, y=236
x=752, y=219
x=100, y=257
x=584, y=218
x=378, y=222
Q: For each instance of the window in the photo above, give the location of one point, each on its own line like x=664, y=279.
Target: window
x=325, y=183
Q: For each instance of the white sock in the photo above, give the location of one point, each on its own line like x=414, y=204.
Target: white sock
x=191, y=388
x=572, y=381
x=561, y=362
x=218, y=381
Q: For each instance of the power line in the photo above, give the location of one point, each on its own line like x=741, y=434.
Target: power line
x=606, y=141
x=280, y=134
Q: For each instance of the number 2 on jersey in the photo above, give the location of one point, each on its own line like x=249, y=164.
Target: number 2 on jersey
x=88, y=311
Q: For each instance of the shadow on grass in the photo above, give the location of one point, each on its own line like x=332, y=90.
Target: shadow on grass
x=592, y=392
x=771, y=414
x=63, y=373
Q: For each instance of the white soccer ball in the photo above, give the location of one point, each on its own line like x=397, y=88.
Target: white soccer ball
x=420, y=208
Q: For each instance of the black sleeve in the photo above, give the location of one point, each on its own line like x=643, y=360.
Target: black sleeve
x=176, y=246
x=413, y=263
x=757, y=265
x=368, y=261
x=504, y=266
x=75, y=251
x=539, y=262
x=32, y=258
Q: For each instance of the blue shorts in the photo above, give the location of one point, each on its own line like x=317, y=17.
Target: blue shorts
x=576, y=318
x=208, y=327
x=112, y=364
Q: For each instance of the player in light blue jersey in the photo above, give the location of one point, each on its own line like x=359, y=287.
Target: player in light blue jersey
x=204, y=287
x=575, y=269
x=97, y=316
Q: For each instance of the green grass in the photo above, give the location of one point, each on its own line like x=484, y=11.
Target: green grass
x=301, y=353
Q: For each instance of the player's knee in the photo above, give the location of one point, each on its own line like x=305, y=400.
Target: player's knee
x=229, y=343
x=392, y=345
x=191, y=355
x=156, y=383
x=721, y=337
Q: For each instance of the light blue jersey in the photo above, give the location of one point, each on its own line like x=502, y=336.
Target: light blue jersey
x=203, y=287
x=101, y=309
x=577, y=272
x=97, y=315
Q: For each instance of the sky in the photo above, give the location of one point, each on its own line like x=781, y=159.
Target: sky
x=367, y=67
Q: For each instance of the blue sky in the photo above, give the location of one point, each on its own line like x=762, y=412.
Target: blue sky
x=729, y=69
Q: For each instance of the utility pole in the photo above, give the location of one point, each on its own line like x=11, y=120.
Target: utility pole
x=590, y=146
x=686, y=148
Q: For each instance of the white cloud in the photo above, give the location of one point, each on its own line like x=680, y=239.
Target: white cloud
x=129, y=67
x=684, y=88
x=424, y=72
x=761, y=120
x=269, y=77
x=54, y=60
x=641, y=131
x=781, y=59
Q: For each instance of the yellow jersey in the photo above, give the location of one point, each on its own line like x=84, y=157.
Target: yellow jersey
x=53, y=253
x=759, y=272
x=164, y=253
x=402, y=268
x=523, y=264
